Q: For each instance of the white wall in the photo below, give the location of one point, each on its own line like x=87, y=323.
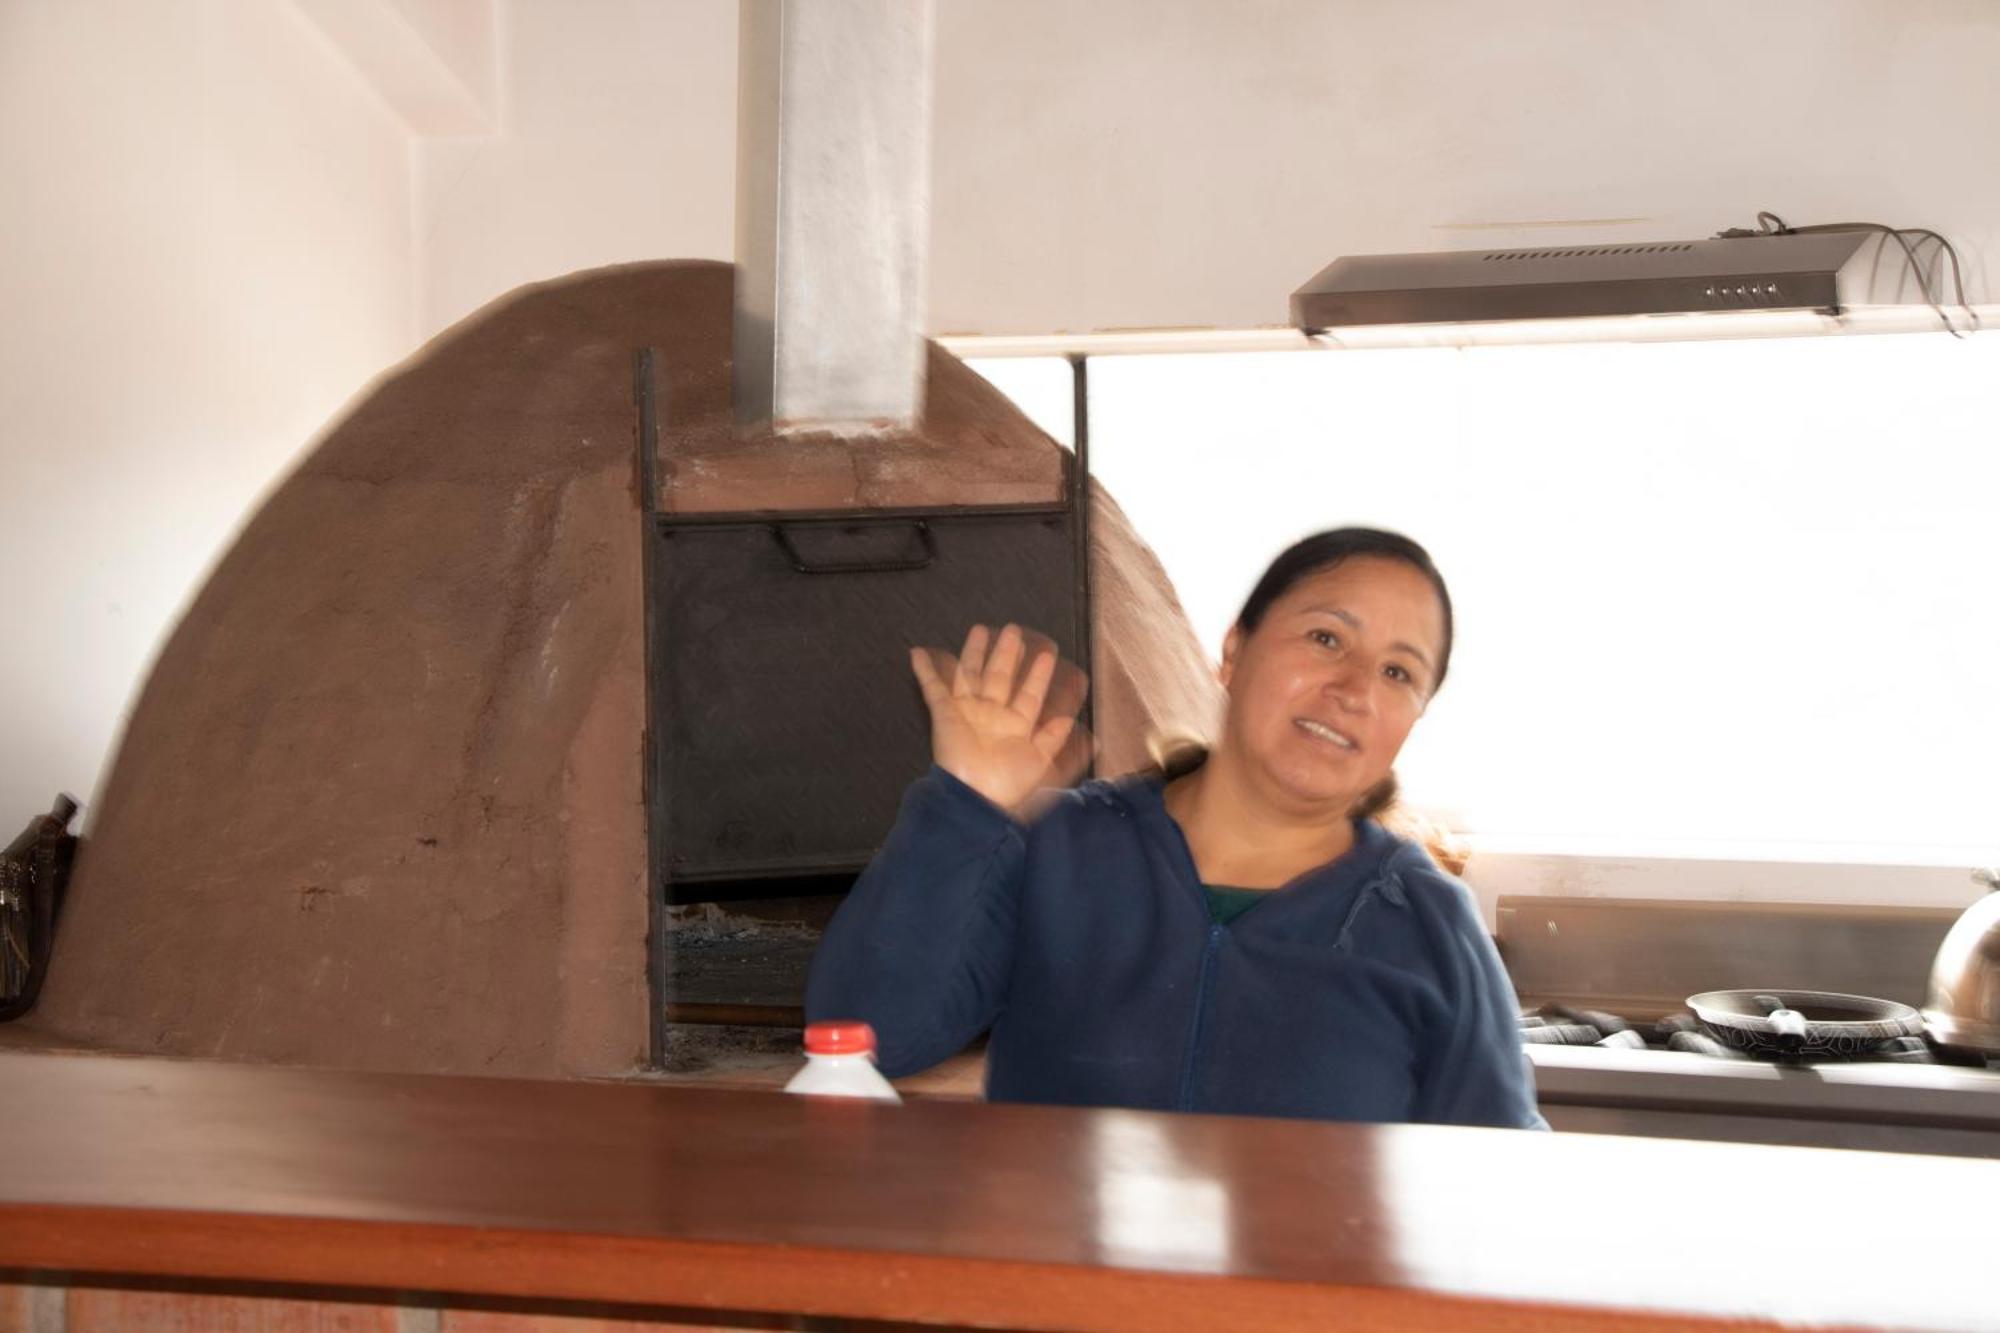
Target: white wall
x=1172, y=162
x=1140, y=163
x=618, y=143
x=461, y=34
x=431, y=62
x=205, y=250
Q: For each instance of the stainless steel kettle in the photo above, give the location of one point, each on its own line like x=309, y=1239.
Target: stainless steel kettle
x=1964, y=1005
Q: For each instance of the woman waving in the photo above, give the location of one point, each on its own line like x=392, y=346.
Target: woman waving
x=1238, y=935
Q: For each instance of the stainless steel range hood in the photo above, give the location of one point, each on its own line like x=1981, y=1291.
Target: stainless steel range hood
x=1820, y=271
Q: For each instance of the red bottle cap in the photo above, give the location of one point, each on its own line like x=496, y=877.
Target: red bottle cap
x=839, y=1039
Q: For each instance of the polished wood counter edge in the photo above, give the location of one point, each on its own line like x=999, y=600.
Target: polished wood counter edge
x=641, y=1273
x=1026, y=1217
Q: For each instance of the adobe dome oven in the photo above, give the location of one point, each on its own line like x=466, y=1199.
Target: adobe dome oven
x=382, y=803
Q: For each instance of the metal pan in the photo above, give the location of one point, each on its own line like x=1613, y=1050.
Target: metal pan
x=1833, y=1027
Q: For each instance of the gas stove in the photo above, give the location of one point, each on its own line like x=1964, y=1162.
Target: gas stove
x=1562, y=1025
x=1597, y=1072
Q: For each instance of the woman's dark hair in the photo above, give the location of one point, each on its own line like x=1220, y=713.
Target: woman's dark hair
x=1324, y=550
x=1321, y=552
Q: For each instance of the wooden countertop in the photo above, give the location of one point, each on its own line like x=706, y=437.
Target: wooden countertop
x=1025, y=1217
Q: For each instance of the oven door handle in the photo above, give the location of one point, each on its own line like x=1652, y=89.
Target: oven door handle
x=919, y=559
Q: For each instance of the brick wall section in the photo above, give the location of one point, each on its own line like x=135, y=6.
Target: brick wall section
x=27, y=1308
x=99, y=1310
x=31, y=1309
x=481, y=1321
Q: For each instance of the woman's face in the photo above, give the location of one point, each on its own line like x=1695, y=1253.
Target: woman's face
x=1324, y=691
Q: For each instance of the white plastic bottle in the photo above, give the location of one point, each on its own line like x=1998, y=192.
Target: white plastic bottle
x=840, y=1062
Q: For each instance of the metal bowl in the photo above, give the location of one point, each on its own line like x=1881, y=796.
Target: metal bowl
x=1964, y=1005
x=1837, y=1026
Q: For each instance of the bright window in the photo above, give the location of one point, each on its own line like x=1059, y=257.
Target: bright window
x=1715, y=599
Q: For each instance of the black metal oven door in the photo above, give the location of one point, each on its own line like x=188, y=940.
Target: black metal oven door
x=786, y=723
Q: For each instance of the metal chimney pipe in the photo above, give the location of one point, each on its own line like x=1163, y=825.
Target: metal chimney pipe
x=832, y=213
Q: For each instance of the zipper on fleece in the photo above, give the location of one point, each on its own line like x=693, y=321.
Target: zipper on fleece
x=1216, y=932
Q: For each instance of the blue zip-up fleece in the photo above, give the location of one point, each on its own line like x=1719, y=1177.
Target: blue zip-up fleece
x=1365, y=990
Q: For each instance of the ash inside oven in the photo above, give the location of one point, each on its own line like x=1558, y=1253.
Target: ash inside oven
x=741, y=956
x=735, y=976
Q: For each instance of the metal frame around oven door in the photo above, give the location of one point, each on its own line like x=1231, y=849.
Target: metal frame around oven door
x=647, y=397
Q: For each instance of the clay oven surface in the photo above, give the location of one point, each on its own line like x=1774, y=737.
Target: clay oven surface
x=379, y=804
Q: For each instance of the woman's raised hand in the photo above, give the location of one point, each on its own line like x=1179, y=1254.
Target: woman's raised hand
x=1004, y=732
